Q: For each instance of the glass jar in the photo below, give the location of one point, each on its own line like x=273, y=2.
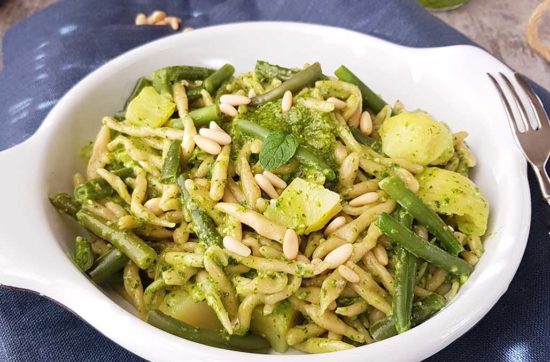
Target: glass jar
x=442, y=5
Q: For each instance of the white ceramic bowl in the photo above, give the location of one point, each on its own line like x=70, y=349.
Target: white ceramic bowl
x=450, y=83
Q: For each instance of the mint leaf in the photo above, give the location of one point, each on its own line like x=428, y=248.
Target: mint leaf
x=278, y=149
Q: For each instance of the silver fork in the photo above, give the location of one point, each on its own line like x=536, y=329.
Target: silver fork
x=534, y=141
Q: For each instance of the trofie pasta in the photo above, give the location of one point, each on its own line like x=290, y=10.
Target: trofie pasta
x=279, y=208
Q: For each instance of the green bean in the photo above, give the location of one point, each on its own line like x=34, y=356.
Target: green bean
x=203, y=116
x=214, y=80
x=171, y=165
x=251, y=129
x=98, y=188
x=303, y=155
x=266, y=71
x=126, y=241
x=361, y=138
x=83, y=256
x=421, y=212
x=205, y=336
x=425, y=308
x=65, y=203
x=175, y=123
x=298, y=81
x=164, y=78
x=107, y=265
x=421, y=248
x=194, y=92
x=203, y=225
x=405, y=273
x=371, y=99
x=383, y=329
x=140, y=84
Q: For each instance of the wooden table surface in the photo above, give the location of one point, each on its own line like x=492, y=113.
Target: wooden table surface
x=497, y=25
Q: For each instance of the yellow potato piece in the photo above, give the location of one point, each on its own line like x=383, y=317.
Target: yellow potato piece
x=150, y=108
x=304, y=206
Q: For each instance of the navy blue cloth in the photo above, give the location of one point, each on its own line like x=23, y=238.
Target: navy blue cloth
x=48, y=53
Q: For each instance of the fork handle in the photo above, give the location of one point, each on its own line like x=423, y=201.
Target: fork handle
x=544, y=181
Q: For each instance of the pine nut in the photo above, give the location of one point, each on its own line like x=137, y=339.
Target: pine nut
x=365, y=124
x=251, y=93
x=334, y=225
x=355, y=119
x=207, y=145
x=173, y=22
x=236, y=246
x=338, y=103
x=141, y=19
x=214, y=125
x=220, y=137
x=381, y=254
x=332, y=305
x=364, y=199
x=348, y=274
x=266, y=186
x=302, y=258
x=228, y=109
x=153, y=206
x=275, y=180
x=316, y=261
x=339, y=255
x=156, y=16
x=290, y=244
x=234, y=99
x=286, y=103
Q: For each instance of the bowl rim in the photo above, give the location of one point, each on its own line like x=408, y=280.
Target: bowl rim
x=411, y=338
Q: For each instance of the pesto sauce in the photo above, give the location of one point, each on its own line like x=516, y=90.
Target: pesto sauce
x=314, y=129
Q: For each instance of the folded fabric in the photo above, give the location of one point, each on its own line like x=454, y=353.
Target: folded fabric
x=51, y=51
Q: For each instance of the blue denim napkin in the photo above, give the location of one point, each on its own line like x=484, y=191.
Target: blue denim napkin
x=48, y=53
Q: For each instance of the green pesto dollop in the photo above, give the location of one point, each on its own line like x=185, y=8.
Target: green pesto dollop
x=314, y=129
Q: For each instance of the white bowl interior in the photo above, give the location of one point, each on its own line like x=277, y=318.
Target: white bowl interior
x=449, y=83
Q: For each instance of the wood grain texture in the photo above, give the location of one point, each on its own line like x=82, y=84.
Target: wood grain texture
x=497, y=25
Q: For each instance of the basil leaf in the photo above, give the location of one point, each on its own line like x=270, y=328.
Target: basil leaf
x=278, y=149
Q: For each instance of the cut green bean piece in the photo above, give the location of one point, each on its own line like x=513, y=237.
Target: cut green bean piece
x=108, y=265
x=175, y=123
x=213, y=82
x=371, y=99
x=405, y=274
x=65, y=203
x=303, y=155
x=98, y=188
x=204, y=336
x=422, y=213
x=423, y=309
x=203, y=226
x=383, y=329
x=194, y=92
x=126, y=241
x=427, y=307
x=171, y=165
x=83, y=256
x=298, y=81
x=267, y=71
x=163, y=78
x=203, y=116
x=361, y=138
x=421, y=248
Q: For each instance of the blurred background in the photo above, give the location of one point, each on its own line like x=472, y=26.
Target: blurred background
x=497, y=25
